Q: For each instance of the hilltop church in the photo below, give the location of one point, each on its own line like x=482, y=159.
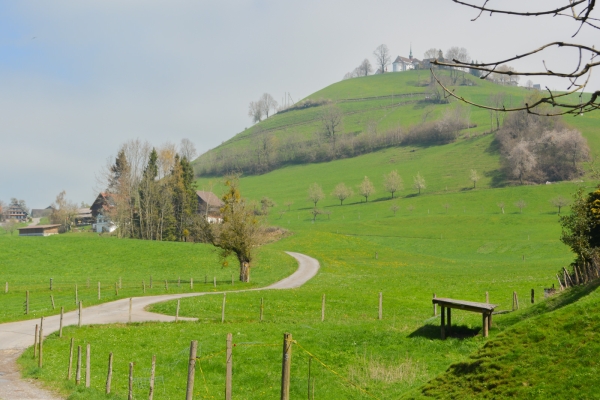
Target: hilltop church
x=402, y=64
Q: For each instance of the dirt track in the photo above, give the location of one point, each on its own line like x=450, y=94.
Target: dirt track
x=15, y=337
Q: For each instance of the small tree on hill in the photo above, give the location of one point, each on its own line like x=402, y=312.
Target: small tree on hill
x=267, y=103
x=314, y=212
x=255, y=110
x=394, y=208
x=331, y=123
x=364, y=68
x=366, y=188
x=501, y=205
x=474, y=177
x=265, y=204
x=315, y=193
x=410, y=208
x=342, y=192
x=392, y=182
x=382, y=57
x=419, y=182
x=521, y=204
x=559, y=202
x=288, y=204
x=10, y=226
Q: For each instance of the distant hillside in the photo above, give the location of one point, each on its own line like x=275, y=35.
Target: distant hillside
x=380, y=104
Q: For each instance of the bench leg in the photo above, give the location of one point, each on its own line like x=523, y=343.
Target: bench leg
x=449, y=320
x=443, y=323
x=485, y=324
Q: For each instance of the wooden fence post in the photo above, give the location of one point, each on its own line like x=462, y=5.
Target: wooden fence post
x=323, y=308
x=99, y=291
x=76, y=295
x=532, y=296
x=229, y=368
x=144, y=286
x=261, y=309
x=120, y=283
x=50, y=284
x=52, y=300
x=179, y=282
x=41, y=352
x=87, y=366
x=80, y=313
x=191, y=283
x=380, y=305
x=27, y=302
x=78, y=368
x=286, y=366
x=152, y=373
x=223, y=308
x=130, y=394
x=214, y=281
x=62, y=312
x=150, y=281
x=130, y=306
x=109, y=373
x=116, y=288
x=191, y=370
x=35, y=339
x=177, y=311
x=70, y=359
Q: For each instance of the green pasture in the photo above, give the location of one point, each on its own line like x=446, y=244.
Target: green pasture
x=28, y=264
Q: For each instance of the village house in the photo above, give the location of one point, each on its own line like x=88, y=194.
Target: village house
x=15, y=211
x=210, y=205
x=100, y=213
x=84, y=216
x=41, y=212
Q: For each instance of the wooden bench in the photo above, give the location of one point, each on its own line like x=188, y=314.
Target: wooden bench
x=485, y=309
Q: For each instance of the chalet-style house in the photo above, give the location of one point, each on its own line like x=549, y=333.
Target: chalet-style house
x=100, y=212
x=15, y=211
x=84, y=216
x=39, y=230
x=210, y=205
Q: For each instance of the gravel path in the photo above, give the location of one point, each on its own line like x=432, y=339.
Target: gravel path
x=15, y=337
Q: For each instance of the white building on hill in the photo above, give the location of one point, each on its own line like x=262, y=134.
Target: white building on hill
x=402, y=64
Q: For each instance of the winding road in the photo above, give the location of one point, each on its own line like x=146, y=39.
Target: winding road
x=15, y=337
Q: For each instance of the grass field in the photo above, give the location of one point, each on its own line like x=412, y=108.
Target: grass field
x=451, y=240
x=28, y=264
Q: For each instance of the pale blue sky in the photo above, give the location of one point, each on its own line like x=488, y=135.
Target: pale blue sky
x=102, y=72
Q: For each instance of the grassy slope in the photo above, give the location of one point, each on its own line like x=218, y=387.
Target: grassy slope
x=80, y=259
x=461, y=253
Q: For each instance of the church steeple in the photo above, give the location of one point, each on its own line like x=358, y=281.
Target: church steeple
x=410, y=55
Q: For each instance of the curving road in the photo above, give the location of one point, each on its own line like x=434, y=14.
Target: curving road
x=15, y=337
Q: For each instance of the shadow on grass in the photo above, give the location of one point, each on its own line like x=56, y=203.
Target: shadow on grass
x=433, y=332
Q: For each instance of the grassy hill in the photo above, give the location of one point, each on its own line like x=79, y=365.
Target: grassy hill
x=451, y=240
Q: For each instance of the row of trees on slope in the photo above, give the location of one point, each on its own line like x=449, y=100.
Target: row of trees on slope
x=330, y=141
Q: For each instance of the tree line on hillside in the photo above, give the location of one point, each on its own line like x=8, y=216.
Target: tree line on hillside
x=330, y=141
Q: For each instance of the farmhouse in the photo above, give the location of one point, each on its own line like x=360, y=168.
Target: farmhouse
x=210, y=205
x=100, y=212
x=84, y=216
x=15, y=211
x=41, y=212
x=39, y=230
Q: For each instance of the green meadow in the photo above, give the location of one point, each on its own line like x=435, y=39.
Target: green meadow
x=452, y=240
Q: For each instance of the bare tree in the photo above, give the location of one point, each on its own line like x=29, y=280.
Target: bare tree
x=187, y=149
x=392, y=182
x=342, y=192
x=288, y=204
x=366, y=188
x=521, y=204
x=410, y=208
x=474, y=177
x=394, y=208
x=496, y=102
x=501, y=205
x=314, y=212
x=431, y=54
x=64, y=211
x=315, y=193
x=382, y=57
x=364, y=68
x=576, y=80
x=265, y=204
x=529, y=84
x=521, y=160
x=256, y=111
x=331, y=123
x=11, y=225
x=419, y=182
x=268, y=103
x=458, y=53
x=446, y=206
x=559, y=202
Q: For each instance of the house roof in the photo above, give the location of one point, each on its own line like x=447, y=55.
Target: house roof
x=83, y=212
x=210, y=198
x=400, y=59
x=39, y=227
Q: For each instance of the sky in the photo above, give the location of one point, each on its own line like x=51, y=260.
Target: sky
x=79, y=78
